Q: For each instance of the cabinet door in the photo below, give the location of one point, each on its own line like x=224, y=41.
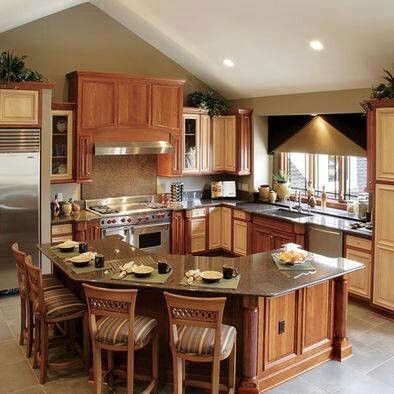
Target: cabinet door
x=98, y=104
x=205, y=144
x=360, y=281
x=384, y=144
x=282, y=238
x=198, y=235
x=133, y=104
x=167, y=106
x=218, y=143
x=263, y=241
x=230, y=161
x=191, y=132
x=226, y=228
x=93, y=231
x=215, y=228
x=85, y=158
x=240, y=237
x=171, y=164
x=19, y=107
x=177, y=233
x=244, y=146
x=62, y=145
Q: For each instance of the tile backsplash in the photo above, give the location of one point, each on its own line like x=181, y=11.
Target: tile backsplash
x=116, y=176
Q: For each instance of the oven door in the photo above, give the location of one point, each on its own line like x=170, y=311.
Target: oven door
x=122, y=232
x=153, y=238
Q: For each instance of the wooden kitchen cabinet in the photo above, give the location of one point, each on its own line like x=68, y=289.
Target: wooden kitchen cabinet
x=359, y=249
x=191, y=143
x=384, y=144
x=226, y=228
x=19, y=107
x=171, y=164
x=178, y=232
x=263, y=241
x=231, y=143
x=241, y=233
x=87, y=231
x=196, y=224
x=215, y=228
x=205, y=144
x=84, y=163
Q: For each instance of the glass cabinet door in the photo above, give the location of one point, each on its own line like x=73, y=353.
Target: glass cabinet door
x=62, y=145
x=191, y=128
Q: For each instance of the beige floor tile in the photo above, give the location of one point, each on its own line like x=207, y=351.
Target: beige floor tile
x=79, y=385
x=14, y=327
x=357, y=327
x=16, y=376
x=367, y=315
x=11, y=353
x=31, y=390
x=10, y=312
x=5, y=332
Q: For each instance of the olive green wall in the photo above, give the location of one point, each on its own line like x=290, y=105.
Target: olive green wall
x=85, y=38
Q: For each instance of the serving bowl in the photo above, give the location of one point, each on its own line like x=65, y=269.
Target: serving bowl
x=140, y=271
x=211, y=276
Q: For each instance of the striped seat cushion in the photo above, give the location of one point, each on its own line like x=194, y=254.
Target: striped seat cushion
x=114, y=330
x=200, y=340
x=50, y=282
x=62, y=302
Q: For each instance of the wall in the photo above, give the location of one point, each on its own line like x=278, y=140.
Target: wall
x=85, y=38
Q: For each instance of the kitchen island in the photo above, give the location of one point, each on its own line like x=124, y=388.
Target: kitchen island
x=287, y=323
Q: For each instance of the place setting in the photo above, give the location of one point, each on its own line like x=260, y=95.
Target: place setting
x=144, y=269
x=227, y=279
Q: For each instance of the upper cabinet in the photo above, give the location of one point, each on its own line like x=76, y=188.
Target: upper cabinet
x=231, y=140
x=62, y=142
x=19, y=107
x=384, y=144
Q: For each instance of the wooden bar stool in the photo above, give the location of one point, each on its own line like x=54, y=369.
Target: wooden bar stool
x=52, y=307
x=198, y=335
x=114, y=327
x=49, y=283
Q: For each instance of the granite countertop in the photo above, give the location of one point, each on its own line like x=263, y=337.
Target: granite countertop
x=81, y=216
x=259, y=274
x=268, y=210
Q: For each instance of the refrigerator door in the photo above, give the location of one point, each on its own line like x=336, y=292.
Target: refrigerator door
x=19, y=210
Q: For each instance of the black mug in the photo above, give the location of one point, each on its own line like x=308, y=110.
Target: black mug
x=229, y=272
x=99, y=261
x=163, y=267
x=83, y=247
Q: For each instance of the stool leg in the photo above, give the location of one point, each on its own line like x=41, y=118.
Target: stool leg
x=43, y=351
x=110, y=360
x=23, y=321
x=86, y=343
x=155, y=360
x=215, y=373
x=130, y=371
x=29, y=318
x=178, y=374
x=98, y=376
x=37, y=340
x=232, y=369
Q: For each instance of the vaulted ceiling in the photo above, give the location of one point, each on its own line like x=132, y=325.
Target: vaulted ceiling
x=267, y=40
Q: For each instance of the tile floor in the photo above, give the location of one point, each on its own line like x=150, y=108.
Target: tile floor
x=370, y=370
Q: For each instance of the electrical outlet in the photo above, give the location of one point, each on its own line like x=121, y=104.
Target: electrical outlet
x=281, y=327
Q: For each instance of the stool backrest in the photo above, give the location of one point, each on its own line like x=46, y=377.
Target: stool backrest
x=20, y=268
x=111, y=303
x=35, y=285
x=194, y=311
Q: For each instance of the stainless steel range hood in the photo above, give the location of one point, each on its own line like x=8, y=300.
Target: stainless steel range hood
x=106, y=148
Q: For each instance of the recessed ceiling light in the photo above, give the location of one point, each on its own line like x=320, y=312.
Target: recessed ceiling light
x=228, y=63
x=316, y=45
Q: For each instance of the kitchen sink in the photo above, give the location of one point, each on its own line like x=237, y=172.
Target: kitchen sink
x=285, y=213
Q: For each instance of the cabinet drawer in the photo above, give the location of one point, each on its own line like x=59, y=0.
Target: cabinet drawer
x=273, y=224
x=197, y=227
x=198, y=244
x=358, y=242
x=241, y=215
x=195, y=213
x=62, y=229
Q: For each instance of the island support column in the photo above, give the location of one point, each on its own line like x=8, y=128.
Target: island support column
x=250, y=345
x=342, y=346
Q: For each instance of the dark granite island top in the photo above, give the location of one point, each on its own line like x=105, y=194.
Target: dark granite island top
x=259, y=274
x=286, y=323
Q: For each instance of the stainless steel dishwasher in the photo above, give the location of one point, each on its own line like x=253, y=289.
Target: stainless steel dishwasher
x=324, y=241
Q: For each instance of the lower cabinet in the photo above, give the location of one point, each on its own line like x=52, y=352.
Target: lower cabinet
x=178, y=232
x=196, y=224
x=240, y=230
x=87, y=231
x=215, y=228
x=226, y=228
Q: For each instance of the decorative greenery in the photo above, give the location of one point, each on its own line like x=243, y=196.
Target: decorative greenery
x=13, y=69
x=281, y=177
x=208, y=100
x=381, y=91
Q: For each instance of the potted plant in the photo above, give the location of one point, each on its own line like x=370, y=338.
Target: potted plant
x=208, y=100
x=382, y=91
x=281, y=185
x=13, y=69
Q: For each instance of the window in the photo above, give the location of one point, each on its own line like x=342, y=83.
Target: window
x=343, y=176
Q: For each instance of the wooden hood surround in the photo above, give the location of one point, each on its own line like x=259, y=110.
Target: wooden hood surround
x=342, y=135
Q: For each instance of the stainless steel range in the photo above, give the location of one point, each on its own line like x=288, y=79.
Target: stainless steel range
x=138, y=220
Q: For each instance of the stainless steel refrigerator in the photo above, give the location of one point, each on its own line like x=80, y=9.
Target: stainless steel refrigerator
x=19, y=198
